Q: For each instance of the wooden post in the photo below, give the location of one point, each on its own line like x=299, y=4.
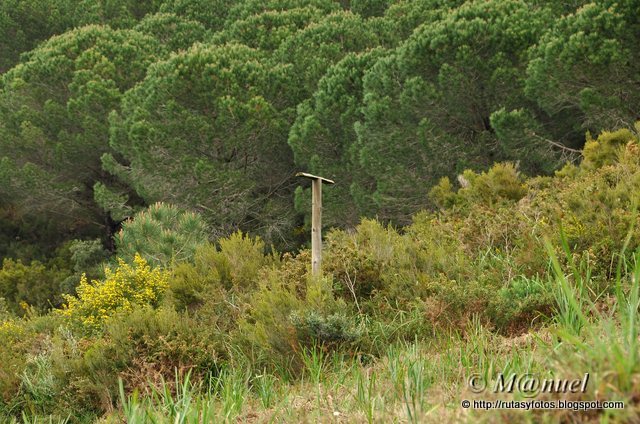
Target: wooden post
x=316, y=220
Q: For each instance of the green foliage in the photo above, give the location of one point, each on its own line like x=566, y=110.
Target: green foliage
x=388, y=97
x=30, y=286
x=115, y=13
x=25, y=23
x=291, y=311
x=87, y=257
x=161, y=234
x=330, y=39
x=358, y=261
x=270, y=28
x=247, y=8
x=165, y=341
x=38, y=385
x=239, y=261
x=427, y=105
x=480, y=260
x=53, y=109
x=280, y=292
x=329, y=332
x=369, y=8
x=607, y=148
x=192, y=283
x=606, y=181
x=144, y=346
x=172, y=31
x=218, y=110
x=206, y=109
x=323, y=139
x=86, y=254
x=502, y=182
x=15, y=342
x=586, y=67
x=521, y=135
x=112, y=202
x=405, y=16
x=521, y=303
x=231, y=270
x=211, y=13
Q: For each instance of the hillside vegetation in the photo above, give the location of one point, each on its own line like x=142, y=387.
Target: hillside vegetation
x=153, y=237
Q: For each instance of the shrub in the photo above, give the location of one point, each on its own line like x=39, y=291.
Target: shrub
x=16, y=341
x=606, y=149
x=155, y=344
x=161, y=234
x=501, y=183
x=38, y=385
x=239, y=259
x=81, y=257
x=87, y=255
x=120, y=291
x=33, y=285
x=190, y=281
x=519, y=303
x=266, y=324
x=143, y=347
x=332, y=331
x=291, y=310
x=236, y=266
x=357, y=260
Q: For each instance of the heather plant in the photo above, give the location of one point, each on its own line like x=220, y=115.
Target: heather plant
x=291, y=310
x=328, y=332
x=520, y=304
x=606, y=149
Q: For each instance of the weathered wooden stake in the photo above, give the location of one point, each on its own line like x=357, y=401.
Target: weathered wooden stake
x=316, y=220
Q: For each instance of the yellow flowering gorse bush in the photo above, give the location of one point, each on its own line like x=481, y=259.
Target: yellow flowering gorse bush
x=129, y=285
x=11, y=330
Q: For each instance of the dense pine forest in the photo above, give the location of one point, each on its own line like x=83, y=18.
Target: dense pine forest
x=154, y=237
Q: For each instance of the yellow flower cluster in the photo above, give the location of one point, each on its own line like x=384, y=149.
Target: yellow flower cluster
x=10, y=331
x=120, y=291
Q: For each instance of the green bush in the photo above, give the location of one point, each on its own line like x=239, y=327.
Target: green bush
x=358, y=260
x=30, y=286
x=239, y=260
x=290, y=310
x=143, y=347
x=18, y=341
x=329, y=332
x=606, y=149
x=159, y=343
x=235, y=266
x=161, y=234
x=86, y=257
x=520, y=303
x=501, y=183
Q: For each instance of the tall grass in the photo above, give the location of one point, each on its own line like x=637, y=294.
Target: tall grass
x=604, y=340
